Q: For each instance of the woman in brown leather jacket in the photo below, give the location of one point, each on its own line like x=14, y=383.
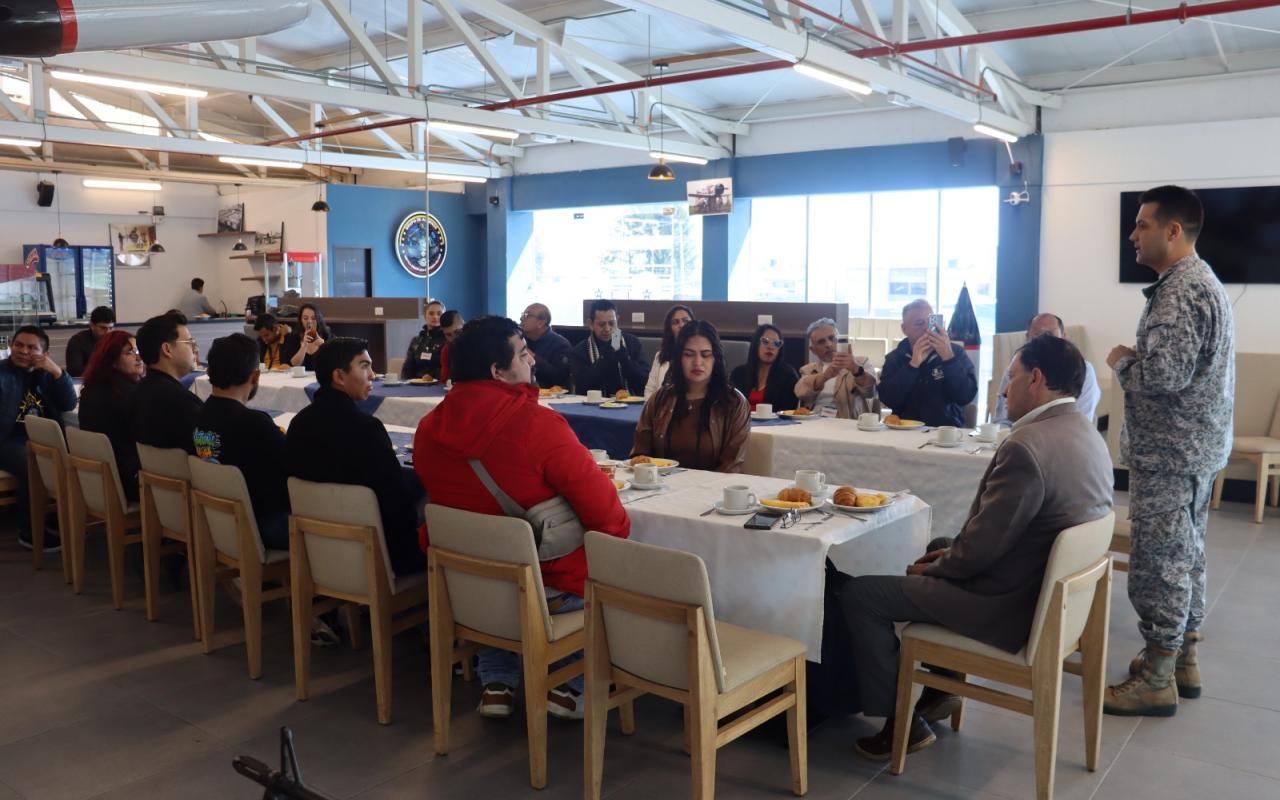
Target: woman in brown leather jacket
x=698, y=418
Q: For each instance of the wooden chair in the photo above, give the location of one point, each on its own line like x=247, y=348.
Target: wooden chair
x=164, y=492
x=486, y=589
x=1071, y=614
x=1120, y=539
x=227, y=543
x=338, y=550
x=47, y=459
x=1264, y=453
x=96, y=494
x=651, y=629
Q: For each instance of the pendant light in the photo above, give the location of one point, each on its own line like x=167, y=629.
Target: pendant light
x=60, y=241
x=240, y=246
x=156, y=247
x=320, y=206
x=660, y=171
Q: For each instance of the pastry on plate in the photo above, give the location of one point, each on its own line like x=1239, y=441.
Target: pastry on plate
x=845, y=496
x=796, y=495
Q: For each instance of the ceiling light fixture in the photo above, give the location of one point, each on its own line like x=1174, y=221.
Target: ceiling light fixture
x=439, y=176
x=121, y=83
x=61, y=240
x=995, y=133
x=135, y=186
x=660, y=171
x=240, y=246
x=14, y=142
x=679, y=159
x=480, y=130
x=260, y=162
x=834, y=78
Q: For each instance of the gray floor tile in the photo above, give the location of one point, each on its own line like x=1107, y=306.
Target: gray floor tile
x=1231, y=735
x=1144, y=772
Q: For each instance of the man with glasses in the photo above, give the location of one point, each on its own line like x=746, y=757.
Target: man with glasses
x=164, y=413
x=31, y=384
x=926, y=377
x=836, y=383
x=550, y=350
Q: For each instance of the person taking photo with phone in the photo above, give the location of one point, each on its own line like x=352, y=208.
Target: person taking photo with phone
x=926, y=377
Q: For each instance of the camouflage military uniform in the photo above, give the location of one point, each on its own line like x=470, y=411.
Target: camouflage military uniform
x=1179, y=393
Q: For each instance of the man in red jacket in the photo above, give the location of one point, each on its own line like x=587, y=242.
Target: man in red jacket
x=492, y=415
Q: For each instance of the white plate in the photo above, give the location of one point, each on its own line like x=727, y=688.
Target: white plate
x=979, y=438
x=647, y=486
x=594, y=402
x=879, y=427
x=801, y=509
x=631, y=399
x=552, y=396
x=667, y=463
x=904, y=427
x=731, y=512
x=763, y=418
x=625, y=484
x=937, y=443
x=612, y=404
x=799, y=417
x=863, y=509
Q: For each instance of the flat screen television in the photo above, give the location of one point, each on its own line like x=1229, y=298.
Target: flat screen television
x=1240, y=240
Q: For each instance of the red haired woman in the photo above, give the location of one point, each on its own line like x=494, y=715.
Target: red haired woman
x=109, y=382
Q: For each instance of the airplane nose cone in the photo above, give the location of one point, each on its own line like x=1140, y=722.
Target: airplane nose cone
x=35, y=28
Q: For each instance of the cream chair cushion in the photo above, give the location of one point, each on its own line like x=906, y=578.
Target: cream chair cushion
x=227, y=482
x=338, y=563
x=949, y=638
x=1255, y=444
x=484, y=604
x=48, y=433
x=97, y=447
x=748, y=654
x=167, y=463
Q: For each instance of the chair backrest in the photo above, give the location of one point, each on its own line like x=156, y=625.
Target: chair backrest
x=650, y=648
x=95, y=447
x=872, y=349
x=340, y=564
x=735, y=354
x=759, y=459
x=889, y=328
x=226, y=483
x=172, y=507
x=489, y=605
x=1076, y=548
x=394, y=365
x=1274, y=433
x=47, y=433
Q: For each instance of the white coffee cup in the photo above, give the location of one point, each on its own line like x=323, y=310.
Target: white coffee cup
x=738, y=498
x=599, y=455
x=299, y=371
x=646, y=473
x=988, y=430
x=764, y=409
x=948, y=434
x=392, y=380
x=869, y=420
x=595, y=396
x=811, y=480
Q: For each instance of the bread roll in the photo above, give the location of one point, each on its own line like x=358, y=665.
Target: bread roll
x=893, y=419
x=621, y=394
x=845, y=496
x=794, y=495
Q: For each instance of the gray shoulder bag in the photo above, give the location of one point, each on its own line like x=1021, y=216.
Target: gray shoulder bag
x=557, y=531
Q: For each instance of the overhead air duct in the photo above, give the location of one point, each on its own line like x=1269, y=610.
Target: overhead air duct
x=37, y=28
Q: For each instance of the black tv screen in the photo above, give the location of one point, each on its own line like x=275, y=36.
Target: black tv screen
x=1240, y=240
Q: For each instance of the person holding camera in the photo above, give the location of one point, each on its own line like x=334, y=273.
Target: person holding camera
x=926, y=377
x=300, y=348
x=836, y=381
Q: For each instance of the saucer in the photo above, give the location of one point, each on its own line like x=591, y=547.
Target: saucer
x=762, y=417
x=984, y=439
x=734, y=512
x=647, y=486
x=872, y=429
x=937, y=443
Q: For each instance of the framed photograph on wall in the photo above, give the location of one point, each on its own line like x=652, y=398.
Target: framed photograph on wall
x=132, y=245
x=231, y=219
x=712, y=196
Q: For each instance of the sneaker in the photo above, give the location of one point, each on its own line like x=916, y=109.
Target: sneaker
x=52, y=544
x=564, y=703
x=498, y=701
x=322, y=635
x=936, y=705
x=880, y=746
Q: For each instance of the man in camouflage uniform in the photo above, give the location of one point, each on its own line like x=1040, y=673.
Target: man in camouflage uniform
x=1179, y=388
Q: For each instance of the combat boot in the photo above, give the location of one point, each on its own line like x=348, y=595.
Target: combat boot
x=1150, y=693
x=1186, y=674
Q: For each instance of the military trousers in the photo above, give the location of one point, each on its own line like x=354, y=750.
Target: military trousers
x=1168, y=514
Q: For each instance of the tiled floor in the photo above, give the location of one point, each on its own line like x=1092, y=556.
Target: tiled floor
x=96, y=703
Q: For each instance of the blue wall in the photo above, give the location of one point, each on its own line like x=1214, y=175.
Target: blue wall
x=368, y=216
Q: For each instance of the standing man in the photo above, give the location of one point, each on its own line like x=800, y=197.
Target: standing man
x=1051, y=325
x=194, y=303
x=1179, y=387
x=551, y=351
x=79, y=347
x=608, y=359
x=836, y=380
x=926, y=377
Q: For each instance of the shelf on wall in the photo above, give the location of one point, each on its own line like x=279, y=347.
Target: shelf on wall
x=226, y=234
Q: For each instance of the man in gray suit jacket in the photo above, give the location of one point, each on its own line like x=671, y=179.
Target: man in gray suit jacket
x=1052, y=472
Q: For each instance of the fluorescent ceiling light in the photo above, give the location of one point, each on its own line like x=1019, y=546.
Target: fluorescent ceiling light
x=260, y=162
x=995, y=133
x=677, y=158
x=137, y=186
x=121, y=83
x=834, y=78
x=5, y=140
x=437, y=176
x=459, y=127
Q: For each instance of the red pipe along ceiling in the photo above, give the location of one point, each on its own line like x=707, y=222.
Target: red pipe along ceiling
x=1181, y=13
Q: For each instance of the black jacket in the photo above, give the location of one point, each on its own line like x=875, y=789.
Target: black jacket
x=35, y=392
x=935, y=393
x=228, y=432
x=105, y=408
x=79, y=348
x=779, y=388
x=423, y=357
x=333, y=441
x=613, y=369
x=553, y=352
x=164, y=414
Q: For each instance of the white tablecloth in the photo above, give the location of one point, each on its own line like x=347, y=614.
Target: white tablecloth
x=946, y=479
x=773, y=580
x=280, y=391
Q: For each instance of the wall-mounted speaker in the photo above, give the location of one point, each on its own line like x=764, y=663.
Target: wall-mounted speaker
x=44, y=194
x=955, y=149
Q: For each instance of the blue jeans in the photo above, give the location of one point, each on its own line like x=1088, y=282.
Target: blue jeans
x=503, y=666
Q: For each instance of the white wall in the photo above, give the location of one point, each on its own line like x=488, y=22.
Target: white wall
x=190, y=209
x=1085, y=172
x=264, y=210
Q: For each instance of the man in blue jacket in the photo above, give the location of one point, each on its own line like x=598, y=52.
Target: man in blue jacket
x=31, y=384
x=926, y=377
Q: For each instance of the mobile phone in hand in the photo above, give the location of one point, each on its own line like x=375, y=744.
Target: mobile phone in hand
x=935, y=323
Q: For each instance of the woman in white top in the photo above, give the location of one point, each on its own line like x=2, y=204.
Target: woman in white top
x=677, y=316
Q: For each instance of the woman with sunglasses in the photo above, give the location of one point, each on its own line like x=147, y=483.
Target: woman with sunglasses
x=110, y=379
x=766, y=378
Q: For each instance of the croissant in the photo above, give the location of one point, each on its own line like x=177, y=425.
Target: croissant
x=893, y=419
x=621, y=394
x=845, y=496
x=794, y=495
